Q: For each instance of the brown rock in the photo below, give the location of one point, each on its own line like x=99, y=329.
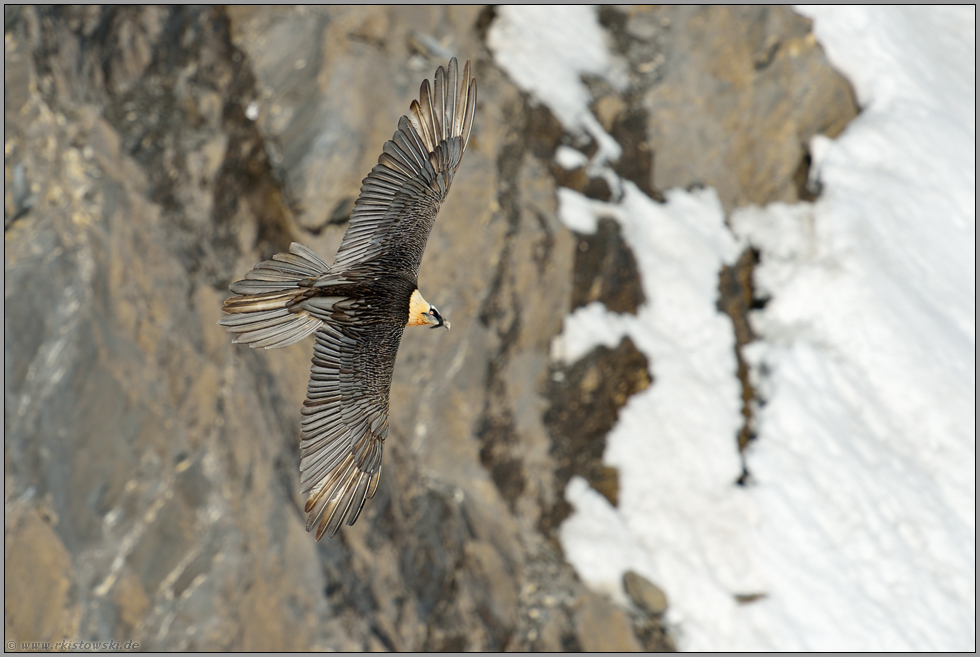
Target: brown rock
x=605, y=270
x=131, y=600
x=601, y=626
x=645, y=594
x=585, y=399
x=37, y=581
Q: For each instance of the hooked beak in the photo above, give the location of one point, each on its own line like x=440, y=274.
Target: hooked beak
x=441, y=322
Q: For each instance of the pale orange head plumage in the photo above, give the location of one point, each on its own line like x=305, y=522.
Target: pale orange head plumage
x=422, y=313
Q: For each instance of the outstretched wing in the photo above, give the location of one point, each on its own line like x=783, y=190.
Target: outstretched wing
x=345, y=415
x=400, y=198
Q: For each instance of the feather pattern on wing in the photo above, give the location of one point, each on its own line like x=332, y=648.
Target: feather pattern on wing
x=345, y=420
x=400, y=198
x=358, y=308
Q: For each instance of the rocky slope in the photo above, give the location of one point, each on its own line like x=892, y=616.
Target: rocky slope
x=152, y=155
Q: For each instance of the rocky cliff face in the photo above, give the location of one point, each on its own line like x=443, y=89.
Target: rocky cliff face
x=152, y=155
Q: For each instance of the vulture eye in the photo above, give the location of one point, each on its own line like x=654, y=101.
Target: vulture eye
x=434, y=313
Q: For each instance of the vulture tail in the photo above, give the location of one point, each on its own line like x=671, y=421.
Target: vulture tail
x=265, y=311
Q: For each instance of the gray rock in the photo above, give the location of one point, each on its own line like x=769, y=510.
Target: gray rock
x=730, y=97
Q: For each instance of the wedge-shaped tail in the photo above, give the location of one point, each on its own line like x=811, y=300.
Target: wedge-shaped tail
x=266, y=311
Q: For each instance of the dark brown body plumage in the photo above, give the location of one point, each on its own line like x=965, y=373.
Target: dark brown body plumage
x=358, y=308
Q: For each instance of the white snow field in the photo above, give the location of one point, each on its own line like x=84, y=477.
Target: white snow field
x=859, y=529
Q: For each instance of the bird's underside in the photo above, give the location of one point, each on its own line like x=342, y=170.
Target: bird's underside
x=358, y=308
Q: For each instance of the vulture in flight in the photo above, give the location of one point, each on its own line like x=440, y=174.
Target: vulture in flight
x=358, y=307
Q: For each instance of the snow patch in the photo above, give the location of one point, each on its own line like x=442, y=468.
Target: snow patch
x=545, y=49
x=866, y=455
x=674, y=444
x=569, y=158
